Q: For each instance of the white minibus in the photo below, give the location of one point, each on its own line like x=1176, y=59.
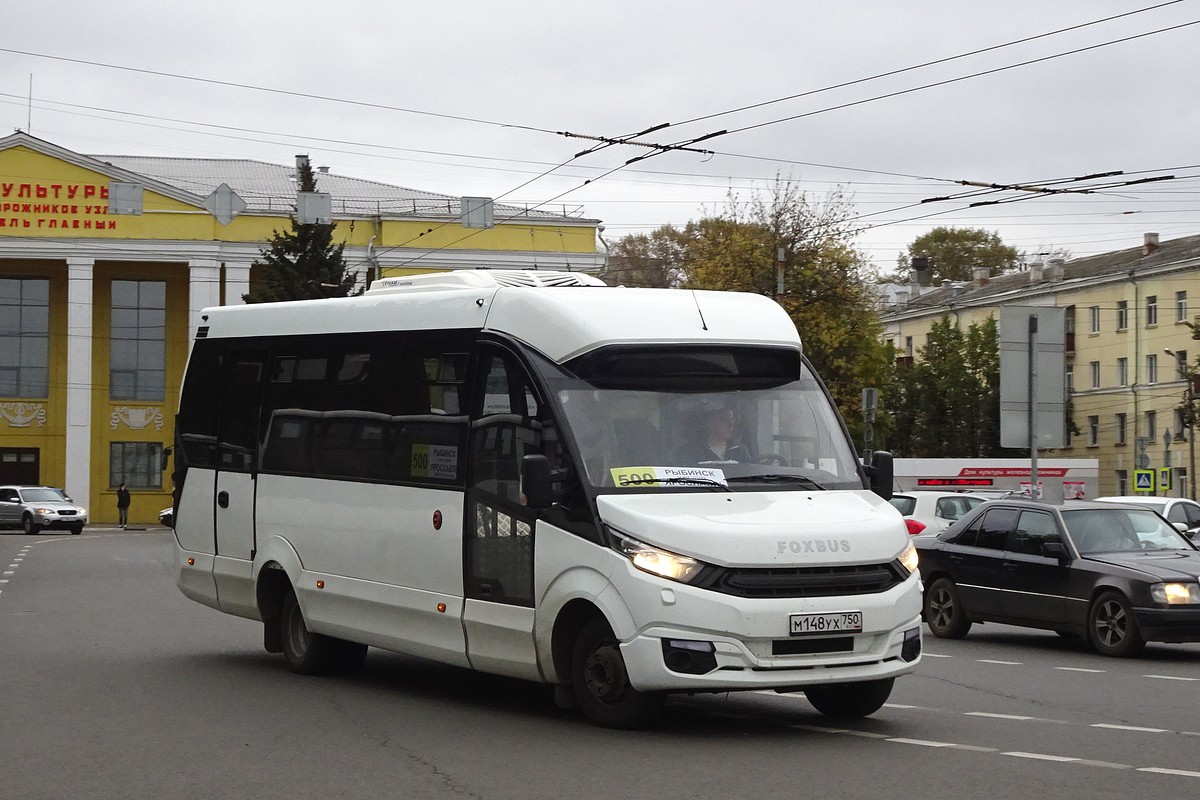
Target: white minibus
x=623, y=493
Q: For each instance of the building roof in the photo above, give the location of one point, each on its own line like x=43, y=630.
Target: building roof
x=1119, y=264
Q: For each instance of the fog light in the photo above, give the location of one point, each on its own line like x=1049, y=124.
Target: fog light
x=912, y=645
x=688, y=656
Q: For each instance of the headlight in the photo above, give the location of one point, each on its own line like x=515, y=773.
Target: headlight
x=44, y=511
x=908, y=559
x=82, y=511
x=663, y=563
x=1173, y=594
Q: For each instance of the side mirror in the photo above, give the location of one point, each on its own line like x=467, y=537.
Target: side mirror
x=881, y=473
x=541, y=485
x=1055, y=550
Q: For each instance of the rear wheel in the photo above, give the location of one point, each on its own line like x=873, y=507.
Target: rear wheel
x=602, y=685
x=310, y=653
x=1112, y=630
x=944, y=612
x=29, y=525
x=850, y=700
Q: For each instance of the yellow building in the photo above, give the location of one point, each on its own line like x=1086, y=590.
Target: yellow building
x=1129, y=351
x=106, y=262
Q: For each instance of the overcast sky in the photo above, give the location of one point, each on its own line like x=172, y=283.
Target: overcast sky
x=465, y=98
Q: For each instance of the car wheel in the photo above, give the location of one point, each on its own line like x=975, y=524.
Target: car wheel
x=1112, y=630
x=76, y=530
x=29, y=525
x=602, y=683
x=944, y=612
x=306, y=653
x=850, y=700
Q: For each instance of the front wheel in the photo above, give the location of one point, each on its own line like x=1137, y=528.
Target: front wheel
x=944, y=612
x=602, y=685
x=29, y=525
x=76, y=530
x=850, y=700
x=1112, y=630
x=310, y=653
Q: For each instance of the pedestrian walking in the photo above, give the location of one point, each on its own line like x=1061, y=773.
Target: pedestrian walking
x=122, y=505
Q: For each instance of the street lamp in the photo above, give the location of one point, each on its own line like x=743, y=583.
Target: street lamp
x=1189, y=415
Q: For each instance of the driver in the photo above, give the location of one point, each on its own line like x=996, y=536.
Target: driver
x=716, y=442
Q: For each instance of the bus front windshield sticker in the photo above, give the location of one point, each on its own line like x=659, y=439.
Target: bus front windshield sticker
x=675, y=476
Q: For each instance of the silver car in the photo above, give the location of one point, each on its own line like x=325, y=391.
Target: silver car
x=37, y=508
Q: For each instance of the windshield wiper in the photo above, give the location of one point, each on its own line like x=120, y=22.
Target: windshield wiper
x=777, y=477
x=705, y=482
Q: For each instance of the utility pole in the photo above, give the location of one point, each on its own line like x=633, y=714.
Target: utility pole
x=1034, y=494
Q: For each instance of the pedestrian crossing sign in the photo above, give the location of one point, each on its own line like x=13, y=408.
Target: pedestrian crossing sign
x=1143, y=480
x=1164, y=479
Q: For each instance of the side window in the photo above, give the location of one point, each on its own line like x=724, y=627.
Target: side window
x=1192, y=512
x=8, y=495
x=241, y=394
x=505, y=429
x=968, y=536
x=1177, y=513
x=1034, y=529
x=953, y=508
x=196, y=428
x=993, y=534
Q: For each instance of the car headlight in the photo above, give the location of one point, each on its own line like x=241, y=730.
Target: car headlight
x=1174, y=594
x=82, y=511
x=908, y=559
x=656, y=561
x=44, y=511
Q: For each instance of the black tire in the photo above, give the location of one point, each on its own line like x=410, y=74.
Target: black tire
x=602, y=684
x=944, y=612
x=76, y=530
x=31, y=528
x=306, y=653
x=1112, y=630
x=850, y=700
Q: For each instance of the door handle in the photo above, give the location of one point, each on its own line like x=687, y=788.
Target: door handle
x=223, y=499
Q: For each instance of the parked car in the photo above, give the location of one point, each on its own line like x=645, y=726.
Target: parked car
x=932, y=512
x=1184, y=514
x=167, y=517
x=37, y=508
x=1117, y=575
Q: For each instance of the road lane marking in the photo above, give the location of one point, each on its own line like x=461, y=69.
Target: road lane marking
x=841, y=731
x=1017, y=717
x=1039, y=756
x=1080, y=669
x=1128, y=728
x=995, y=661
x=928, y=654
x=1165, y=677
x=1106, y=764
x=1164, y=771
x=900, y=705
x=920, y=742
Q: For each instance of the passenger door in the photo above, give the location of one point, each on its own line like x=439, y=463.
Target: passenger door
x=9, y=515
x=509, y=421
x=242, y=375
x=1035, y=585
x=979, y=566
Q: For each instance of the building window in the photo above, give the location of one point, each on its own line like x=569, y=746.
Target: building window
x=1094, y=316
x=1070, y=376
x=1151, y=310
x=24, y=337
x=1181, y=306
x=1122, y=372
x=1181, y=365
x=1121, y=427
x=908, y=346
x=1122, y=482
x=1179, y=430
x=1095, y=370
x=138, y=341
x=1122, y=314
x=136, y=464
x=1093, y=431
x=1151, y=425
x=1152, y=368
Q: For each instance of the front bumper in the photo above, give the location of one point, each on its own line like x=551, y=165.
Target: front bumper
x=1180, y=624
x=57, y=522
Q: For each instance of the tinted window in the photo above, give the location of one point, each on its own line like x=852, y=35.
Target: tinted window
x=997, y=522
x=905, y=505
x=965, y=536
x=955, y=507
x=1177, y=513
x=196, y=427
x=1034, y=529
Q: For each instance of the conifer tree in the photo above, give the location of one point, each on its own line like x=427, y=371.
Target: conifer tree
x=303, y=263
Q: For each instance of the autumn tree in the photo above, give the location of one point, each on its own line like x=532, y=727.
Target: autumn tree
x=953, y=253
x=302, y=263
x=652, y=260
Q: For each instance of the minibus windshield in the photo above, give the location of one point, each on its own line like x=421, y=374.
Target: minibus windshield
x=771, y=429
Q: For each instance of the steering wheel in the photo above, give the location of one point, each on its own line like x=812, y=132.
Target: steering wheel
x=772, y=458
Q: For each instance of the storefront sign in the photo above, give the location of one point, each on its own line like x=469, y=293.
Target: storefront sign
x=55, y=206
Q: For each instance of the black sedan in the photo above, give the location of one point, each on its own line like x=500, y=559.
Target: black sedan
x=1117, y=575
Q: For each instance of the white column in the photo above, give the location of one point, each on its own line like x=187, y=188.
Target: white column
x=79, y=379
x=204, y=289
x=237, y=282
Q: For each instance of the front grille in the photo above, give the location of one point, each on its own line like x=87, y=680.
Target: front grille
x=799, y=647
x=66, y=513
x=801, y=581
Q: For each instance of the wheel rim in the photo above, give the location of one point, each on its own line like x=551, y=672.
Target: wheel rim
x=29, y=524
x=604, y=675
x=296, y=633
x=1112, y=623
x=941, y=607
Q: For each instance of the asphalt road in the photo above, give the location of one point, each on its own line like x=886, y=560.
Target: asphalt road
x=116, y=686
